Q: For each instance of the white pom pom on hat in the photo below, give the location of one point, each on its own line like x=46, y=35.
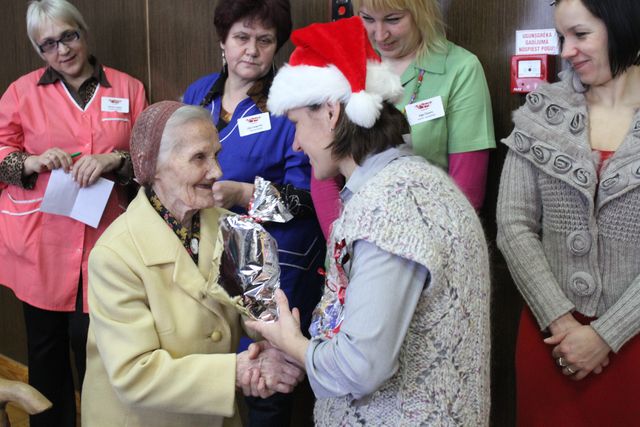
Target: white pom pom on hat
x=335, y=62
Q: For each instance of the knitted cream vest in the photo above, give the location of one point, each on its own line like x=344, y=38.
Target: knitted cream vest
x=413, y=210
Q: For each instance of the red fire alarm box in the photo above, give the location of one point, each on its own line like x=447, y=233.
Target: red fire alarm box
x=529, y=71
x=341, y=9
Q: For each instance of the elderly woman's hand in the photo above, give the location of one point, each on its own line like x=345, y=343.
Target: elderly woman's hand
x=263, y=370
x=227, y=194
x=285, y=332
x=53, y=158
x=88, y=168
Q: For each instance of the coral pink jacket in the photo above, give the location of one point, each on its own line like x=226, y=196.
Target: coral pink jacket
x=42, y=255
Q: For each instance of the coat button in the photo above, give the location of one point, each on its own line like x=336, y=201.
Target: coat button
x=582, y=284
x=579, y=243
x=216, y=336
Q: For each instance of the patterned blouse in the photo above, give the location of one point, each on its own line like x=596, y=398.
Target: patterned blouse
x=190, y=238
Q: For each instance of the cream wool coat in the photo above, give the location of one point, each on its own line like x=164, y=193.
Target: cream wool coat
x=161, y=346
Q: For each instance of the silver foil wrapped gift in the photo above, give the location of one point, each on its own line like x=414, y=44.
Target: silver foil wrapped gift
x=249, y=265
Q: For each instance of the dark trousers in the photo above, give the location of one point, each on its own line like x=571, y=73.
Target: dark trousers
x=274, y=411
x=49, y=336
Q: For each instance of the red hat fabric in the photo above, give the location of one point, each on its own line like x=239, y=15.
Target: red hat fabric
x=335, y=62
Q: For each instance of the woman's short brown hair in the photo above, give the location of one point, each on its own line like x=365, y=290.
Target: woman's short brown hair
x=359, y=142
x=276, y=13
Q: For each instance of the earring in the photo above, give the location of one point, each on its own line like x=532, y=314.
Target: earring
x=224, y=59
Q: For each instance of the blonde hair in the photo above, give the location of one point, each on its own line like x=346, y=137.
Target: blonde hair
x=41, y=11
x=426, y=15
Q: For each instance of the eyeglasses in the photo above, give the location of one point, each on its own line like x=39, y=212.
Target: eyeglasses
x=66, y=39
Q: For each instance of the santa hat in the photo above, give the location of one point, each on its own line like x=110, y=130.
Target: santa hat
x=334, y=62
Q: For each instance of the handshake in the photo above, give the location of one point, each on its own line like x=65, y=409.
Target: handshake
x=263, y=370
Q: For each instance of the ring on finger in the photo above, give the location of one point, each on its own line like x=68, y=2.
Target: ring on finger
x=561, y=362
x=569, y=370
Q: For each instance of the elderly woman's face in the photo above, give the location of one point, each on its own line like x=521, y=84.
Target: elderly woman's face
x=71, y=59
x=184, y=179
x=313, y=136
x=584, y=41
x=393, y=33
x=249, y=49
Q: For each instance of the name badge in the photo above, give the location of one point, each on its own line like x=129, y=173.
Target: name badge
x=117, y=105
x=254, y=124
x=423, y=111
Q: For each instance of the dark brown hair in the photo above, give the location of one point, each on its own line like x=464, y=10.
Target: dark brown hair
x=359, y=142
x=620, y=17
x=276, y=13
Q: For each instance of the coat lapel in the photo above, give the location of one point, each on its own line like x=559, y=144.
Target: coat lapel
x=158, y=245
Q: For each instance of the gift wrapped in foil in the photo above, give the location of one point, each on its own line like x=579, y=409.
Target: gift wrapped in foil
x=249, y=265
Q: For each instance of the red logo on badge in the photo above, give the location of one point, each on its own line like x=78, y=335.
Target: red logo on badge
x=423, y=105
x=115, y=101
x=252, y=119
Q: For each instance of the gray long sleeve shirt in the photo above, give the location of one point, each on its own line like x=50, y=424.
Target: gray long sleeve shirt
x=380, y=301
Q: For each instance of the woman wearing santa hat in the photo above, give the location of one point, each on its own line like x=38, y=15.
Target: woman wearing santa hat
x=401, y=335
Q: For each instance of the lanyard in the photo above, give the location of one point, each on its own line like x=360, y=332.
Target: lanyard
x=236, y=124
x=417, y=87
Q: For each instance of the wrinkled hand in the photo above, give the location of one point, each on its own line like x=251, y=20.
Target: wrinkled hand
x=285, y=332
x=583, y=350
x=248, y=376
x=89, y=168
x=53, y=158
x=227, y=194
x=263, y=370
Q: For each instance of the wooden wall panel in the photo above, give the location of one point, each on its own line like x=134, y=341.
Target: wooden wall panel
x=118, y=35
x=19, y=55
x=183, y=45
x=487, y=28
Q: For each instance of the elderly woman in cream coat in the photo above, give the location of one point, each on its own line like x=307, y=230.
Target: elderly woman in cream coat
x=161, y=343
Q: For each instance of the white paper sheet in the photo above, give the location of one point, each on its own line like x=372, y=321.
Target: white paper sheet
x=64, y=196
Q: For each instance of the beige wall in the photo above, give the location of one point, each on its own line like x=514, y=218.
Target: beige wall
x=169, y=43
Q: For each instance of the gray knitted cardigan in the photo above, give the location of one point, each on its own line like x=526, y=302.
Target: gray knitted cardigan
x=412, y=209
x=569, y=241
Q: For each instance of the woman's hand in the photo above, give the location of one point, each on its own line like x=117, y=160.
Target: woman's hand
x=563, y=324
x=53, y=158
x=248, y=377
x=285, y=332
x=89, y=168
x=227, y=194
x=280, y=372
x=582, y=351
x=263, y=370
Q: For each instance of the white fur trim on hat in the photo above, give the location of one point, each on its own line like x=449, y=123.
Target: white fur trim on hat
x=306, y=85
x=382, y=81
x=364, y=108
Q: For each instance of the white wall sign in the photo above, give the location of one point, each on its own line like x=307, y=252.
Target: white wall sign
x=537, y=42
